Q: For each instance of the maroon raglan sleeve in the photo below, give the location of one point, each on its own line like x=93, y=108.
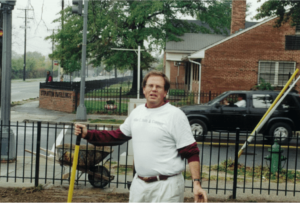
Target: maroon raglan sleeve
x=111, y=137
x=190, y=152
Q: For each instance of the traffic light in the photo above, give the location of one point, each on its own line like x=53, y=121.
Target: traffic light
x=77, y=7
x=10, y=2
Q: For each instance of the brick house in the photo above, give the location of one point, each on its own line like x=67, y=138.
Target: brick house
x=239, y=61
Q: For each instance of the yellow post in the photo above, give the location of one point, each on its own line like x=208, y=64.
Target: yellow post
x=74, y=166
x=270, y=108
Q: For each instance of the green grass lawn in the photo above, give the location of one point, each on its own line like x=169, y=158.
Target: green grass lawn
x=258, y=172
x=111, y=91
x=96, y=106
x=107, y=121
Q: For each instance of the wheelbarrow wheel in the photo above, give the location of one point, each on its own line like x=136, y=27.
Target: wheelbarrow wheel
x=98, y=182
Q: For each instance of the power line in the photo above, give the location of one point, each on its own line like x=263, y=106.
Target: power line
x=25, y=35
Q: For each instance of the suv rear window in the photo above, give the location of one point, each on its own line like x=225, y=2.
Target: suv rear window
x=261, y=100
x=288, y=102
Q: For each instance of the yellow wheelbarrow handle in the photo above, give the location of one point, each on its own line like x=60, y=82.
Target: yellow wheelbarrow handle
x=74, y=166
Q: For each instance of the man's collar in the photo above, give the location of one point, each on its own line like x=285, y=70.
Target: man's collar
x=167, y=101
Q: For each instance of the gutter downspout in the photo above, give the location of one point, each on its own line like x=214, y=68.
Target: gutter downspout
x=177, y=76
x=199, y=88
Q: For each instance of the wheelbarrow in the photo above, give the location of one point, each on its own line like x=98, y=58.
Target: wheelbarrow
x=89, y=161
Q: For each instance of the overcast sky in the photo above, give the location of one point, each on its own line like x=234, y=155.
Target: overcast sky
x=43, y=13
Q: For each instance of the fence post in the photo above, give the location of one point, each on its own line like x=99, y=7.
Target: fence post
x=209, y=98
x=120, y=98
x=37, y=161
x=236, y=159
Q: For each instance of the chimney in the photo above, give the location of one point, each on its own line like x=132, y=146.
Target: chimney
x=238, y=15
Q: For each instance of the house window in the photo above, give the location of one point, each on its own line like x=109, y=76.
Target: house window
x=277, y=73
x=292, y=42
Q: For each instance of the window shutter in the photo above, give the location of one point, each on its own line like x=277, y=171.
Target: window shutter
x=292, y=42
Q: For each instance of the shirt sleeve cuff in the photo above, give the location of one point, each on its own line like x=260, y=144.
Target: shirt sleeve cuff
x=195, y=157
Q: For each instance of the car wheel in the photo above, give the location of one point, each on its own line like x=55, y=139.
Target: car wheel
x=281, y=132
x=199, y=129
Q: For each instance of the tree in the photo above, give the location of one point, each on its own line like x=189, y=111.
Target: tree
x=125, y=24
x=286, y=10
x=36, y=65
x=217, y=16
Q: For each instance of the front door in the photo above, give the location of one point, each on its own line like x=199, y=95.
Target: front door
x=234, y=112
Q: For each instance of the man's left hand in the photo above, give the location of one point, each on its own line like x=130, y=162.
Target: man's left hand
x=199, y=193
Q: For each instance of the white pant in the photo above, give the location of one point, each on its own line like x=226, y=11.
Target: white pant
x=170, y=190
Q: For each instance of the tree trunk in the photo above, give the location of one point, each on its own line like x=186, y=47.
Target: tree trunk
x=133, y=90
x=116, y=75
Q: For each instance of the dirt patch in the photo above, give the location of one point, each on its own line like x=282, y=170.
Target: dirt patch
x=60, y=194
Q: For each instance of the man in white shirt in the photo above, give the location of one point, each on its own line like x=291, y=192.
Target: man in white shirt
x=162, y=139
x=240, y=103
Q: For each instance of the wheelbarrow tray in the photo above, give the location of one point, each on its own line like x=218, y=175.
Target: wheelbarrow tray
x=88, y=155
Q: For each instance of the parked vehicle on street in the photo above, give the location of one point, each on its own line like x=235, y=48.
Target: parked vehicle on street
x=244, y=109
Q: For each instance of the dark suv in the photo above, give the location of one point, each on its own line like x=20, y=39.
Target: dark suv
x=244, y=109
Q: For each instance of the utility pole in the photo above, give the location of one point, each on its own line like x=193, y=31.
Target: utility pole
x=52, y=47
x=25, y=38
x=1, y=26
x=81, y=110
x=7, y=135
x=62, y=40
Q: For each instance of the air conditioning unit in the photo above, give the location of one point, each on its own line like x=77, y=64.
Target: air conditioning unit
x=177, y=63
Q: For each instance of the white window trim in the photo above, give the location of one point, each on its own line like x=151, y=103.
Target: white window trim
x=276, y=71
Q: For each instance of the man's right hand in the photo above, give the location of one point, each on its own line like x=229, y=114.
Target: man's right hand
x=79, y=128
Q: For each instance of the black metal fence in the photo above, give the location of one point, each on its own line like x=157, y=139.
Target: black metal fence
x=89, y=85
x=102, y=97
x=115, y=100
x=42, y=153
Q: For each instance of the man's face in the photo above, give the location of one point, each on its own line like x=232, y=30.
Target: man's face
x=154, y=91
x=240, y=98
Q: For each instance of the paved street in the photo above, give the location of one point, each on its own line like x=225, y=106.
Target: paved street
x=21, y=90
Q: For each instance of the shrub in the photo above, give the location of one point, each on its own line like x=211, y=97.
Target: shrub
x=264, y=85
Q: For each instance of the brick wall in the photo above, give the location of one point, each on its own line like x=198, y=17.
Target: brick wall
x=174, y=72
x=58, y=100
x=238, y=15
x=233, y=65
